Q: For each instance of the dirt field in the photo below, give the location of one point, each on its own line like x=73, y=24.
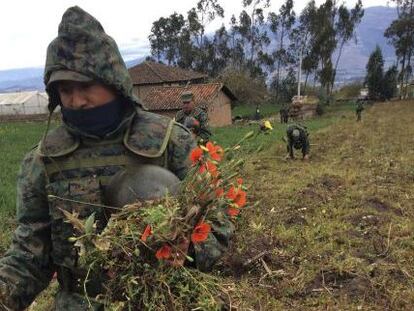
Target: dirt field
x=336, y=233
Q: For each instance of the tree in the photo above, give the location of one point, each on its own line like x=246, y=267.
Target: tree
x=167, y=36
x=249, y=90
x=281, y=26
x=301, y=46
x=346, y=24
x=288, y=86
x=252, y=34
x=197, y=20
x=401, y=35
x=375, y=72
x=389, y=85
x=324, y=42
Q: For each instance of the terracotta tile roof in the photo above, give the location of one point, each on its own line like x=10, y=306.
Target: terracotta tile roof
x=169, y=98
x=155, y=73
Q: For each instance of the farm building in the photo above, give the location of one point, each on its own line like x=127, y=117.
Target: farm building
x=160, y=87
x=23, y=104
x=149, y=74
x=215, y=98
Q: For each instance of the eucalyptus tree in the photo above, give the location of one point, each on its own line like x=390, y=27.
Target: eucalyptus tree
x=345, y=26
x=281, y=26
x=401, y=35
x=253, y=35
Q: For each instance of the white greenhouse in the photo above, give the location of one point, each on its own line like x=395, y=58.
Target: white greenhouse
x=23, y=103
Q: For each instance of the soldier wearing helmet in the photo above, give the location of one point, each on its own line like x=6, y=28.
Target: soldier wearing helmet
x=105, y=131
x=297, y=138
x=194, y=118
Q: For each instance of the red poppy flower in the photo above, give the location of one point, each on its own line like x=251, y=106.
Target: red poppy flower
x=200, y=232
x=196, y=155
x=164, y=252
x=219, y=192
x=237, y=196
x=215, y=152
x=233, y=212
x=240, y=181
x=231, y=194
x=240, y=199
x=147, y=232
x=210, y=167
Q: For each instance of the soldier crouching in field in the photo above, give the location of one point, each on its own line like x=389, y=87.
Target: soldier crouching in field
x=104, y=131
x=358, y=109
x=297, y=138
x=194, y=118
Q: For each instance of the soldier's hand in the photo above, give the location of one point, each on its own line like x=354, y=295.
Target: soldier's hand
x=179, y=253
x=288, y=157
x=306, y=157
x=196, y=123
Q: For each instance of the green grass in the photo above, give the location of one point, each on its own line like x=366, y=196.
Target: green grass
x=16, y=139
x=248, y=111
x=230, y=135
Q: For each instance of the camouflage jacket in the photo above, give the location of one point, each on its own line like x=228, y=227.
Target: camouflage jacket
x=69, y=164
x=359, y=106
x=201, y=130
x=78, y=168
x=301, y=142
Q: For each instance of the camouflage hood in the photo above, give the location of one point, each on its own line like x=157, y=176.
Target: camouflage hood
x=83, y=46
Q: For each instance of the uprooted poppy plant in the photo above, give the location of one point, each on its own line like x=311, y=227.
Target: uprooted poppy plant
x=210, y=167
x=196, y=155
x=215, y=151
x=233, y=212
x=164, y=252
x=238, y=196
x=200, y=232
x=147, y=232
x=219, y=192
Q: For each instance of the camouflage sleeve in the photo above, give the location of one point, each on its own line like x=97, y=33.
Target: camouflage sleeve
x=203, y=130
x=289, y=145
x=206, y=254
x=305, y=145
x=179, y=117
x=26, y=270
x=179, y=147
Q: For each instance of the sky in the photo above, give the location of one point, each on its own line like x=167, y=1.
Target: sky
x=27, y=26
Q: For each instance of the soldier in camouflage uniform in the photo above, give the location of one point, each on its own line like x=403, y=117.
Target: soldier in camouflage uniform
x=297, y=138
x=284, y=113
x=358, y=109
x=76, y=161
x=194, y=118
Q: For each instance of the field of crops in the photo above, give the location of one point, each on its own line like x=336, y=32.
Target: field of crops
x=334, y=233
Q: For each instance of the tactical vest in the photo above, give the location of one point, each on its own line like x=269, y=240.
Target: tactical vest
x=78, y=169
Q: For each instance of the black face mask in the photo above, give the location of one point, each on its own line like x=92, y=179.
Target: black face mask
x=97, y=121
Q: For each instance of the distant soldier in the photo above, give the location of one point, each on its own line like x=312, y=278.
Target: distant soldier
x=194, y=118
x=265, y=127
x=284, y=113
x=297, y=138
x=257, y=113
x=359, y=108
